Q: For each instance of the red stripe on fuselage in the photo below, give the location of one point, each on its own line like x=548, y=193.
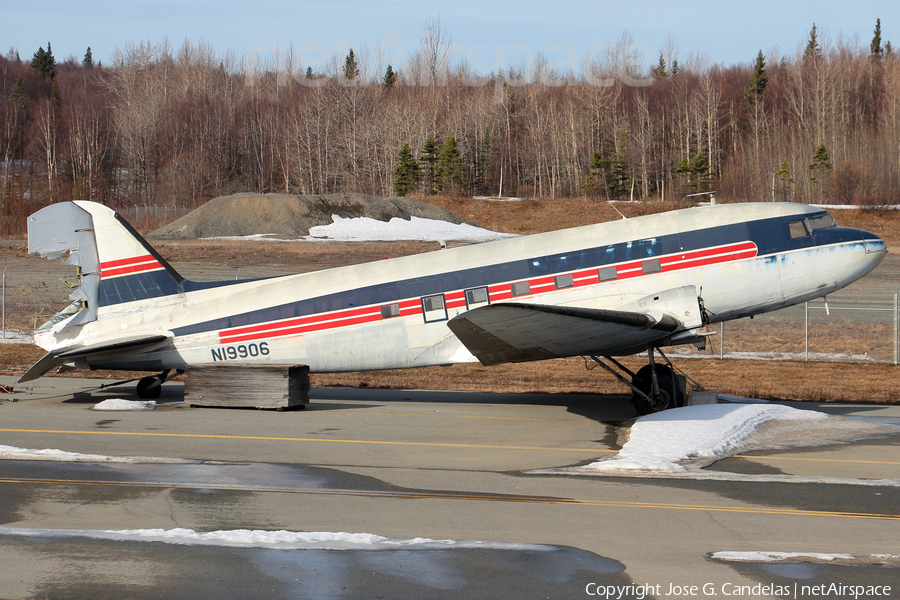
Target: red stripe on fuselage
x=456, y=299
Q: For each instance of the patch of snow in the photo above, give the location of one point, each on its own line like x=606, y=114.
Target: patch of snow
x=13, y=336
x=815, y=356
x=769, y=557
x=256, y=237
x=892, y=560
x=678, y=443
x=281, y=540
x=365, y=229
x=120, y=404
x=699, y=434
x=13, y=453
x=500, y=198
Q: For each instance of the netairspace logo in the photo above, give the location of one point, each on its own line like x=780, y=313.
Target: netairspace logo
x=729, y=590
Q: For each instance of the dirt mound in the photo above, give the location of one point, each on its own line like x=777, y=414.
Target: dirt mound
x=290, y=216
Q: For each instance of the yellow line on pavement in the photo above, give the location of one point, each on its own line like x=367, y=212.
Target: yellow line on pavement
x=292, y=439
x=424, y=495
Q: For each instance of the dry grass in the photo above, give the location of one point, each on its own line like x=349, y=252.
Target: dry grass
x=785, y=380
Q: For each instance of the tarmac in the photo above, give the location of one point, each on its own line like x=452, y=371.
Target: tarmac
x=408, y=465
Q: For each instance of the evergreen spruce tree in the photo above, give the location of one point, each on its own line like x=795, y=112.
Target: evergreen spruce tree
x=55, y=100
x=309, y=73
x=451, y=171
x=783, y=189
x=429, y=156
x=660, y=71
x=702, y=173
x=812, y=46
x=88, y=62
x=390, y=78
x=820, y=161
x=759, y=81
x=43, y=62
x=695, y=172
x=675, y=70
x=595, y=175
x=19, y=104
x=406, y=174
x=351, y=68
x=482, y=163
x=875, y=47
x=618, y=180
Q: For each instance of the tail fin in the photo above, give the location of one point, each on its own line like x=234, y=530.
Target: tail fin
x=117, y=265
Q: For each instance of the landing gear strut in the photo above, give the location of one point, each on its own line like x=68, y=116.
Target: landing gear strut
x=150, y=388
x=654, y=387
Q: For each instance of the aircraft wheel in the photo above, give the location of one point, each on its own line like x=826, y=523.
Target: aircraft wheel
x=145, y=391
x=643, y=380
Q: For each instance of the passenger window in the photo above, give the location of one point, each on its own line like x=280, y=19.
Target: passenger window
x=565, y=281
x=433, y=308
x=608, y=274
x=390, y=310
x=476, y=297
x=798, y=229
x=651, y=266
x=521, y=289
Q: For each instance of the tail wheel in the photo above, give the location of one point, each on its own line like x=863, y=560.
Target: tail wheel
x=145, y=391
x=671, y=394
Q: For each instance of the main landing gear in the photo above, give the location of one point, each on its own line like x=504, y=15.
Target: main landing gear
x=654, y=387
x=149, y=388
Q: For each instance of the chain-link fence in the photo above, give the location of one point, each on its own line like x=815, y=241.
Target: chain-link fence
x=31, y=295
x=837, y=329
x=860, y=323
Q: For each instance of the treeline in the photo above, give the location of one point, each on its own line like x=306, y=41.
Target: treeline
x=164, y=126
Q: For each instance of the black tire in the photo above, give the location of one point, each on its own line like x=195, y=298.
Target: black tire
x=145, y=391
x=671, y=394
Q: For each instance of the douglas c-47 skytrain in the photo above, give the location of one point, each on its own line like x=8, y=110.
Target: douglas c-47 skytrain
x=600, y=291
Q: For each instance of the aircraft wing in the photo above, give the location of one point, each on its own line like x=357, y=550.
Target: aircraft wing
x=512, y=332
x=119, y=347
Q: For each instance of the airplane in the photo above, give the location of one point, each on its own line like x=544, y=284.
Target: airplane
x=601, y=291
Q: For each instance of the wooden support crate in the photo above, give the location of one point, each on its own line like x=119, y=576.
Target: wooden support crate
x=247, y=386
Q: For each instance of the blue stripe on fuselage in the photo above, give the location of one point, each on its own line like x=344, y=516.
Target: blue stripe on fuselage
x=770, y=235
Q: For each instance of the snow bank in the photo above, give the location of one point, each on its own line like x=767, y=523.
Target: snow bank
x=120, y=404
x=281, y=540
x=13, y=453
x=365, y=229
x=818, y=558
x=696, y=434
x=770, y=557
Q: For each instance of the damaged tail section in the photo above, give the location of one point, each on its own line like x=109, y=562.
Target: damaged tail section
x=115, y=263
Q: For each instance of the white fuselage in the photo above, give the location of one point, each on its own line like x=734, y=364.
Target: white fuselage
x=394, y=313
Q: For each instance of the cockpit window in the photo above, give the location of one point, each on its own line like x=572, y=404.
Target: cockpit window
x=798, y=229
x=823, y=221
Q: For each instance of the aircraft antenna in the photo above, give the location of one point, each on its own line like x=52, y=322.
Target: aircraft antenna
x=712, y=196
x=617, y=210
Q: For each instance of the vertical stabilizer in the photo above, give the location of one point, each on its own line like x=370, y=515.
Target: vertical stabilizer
x=116, y=264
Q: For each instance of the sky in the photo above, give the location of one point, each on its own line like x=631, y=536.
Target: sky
x=488, y=34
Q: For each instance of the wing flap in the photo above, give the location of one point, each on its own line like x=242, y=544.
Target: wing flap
x=122, y=346
x=511, y=332
x=500, y=333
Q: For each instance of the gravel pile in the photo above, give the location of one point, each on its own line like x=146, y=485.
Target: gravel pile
x=288, y=216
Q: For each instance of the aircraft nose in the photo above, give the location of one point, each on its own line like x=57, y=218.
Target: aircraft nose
x=876, y=249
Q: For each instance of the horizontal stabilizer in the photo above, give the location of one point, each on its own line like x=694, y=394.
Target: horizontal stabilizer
x=122, y=346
